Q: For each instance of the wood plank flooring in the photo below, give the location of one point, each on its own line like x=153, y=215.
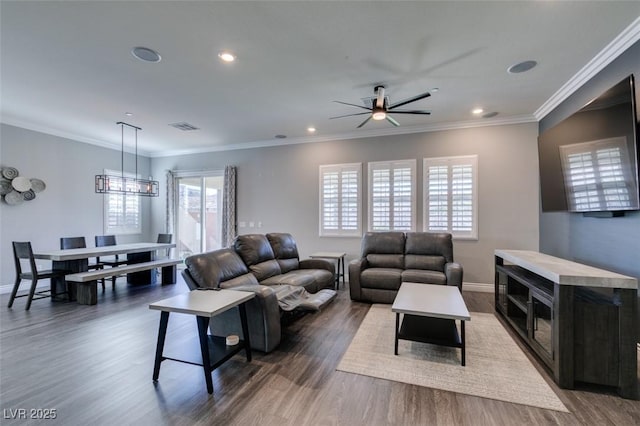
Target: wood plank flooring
x=93, y=365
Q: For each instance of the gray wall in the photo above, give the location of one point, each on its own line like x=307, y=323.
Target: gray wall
x=278, y=186
x=69, y=206
x=612, y=243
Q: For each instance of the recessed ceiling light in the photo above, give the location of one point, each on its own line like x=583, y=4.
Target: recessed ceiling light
x=490, y=114
x=521, y=67
x=128, y=114
x=145, y=54
x=227, y=56
x=434, y=90
x=477, y=111
x=311, y=129
x=280, y=136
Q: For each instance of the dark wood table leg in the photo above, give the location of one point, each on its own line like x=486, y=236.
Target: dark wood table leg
x=343, y=271
x=203, y=323
x=162, y=332
x=395, y=351
x=245, y=330
x=141, y=277
x=462, y=341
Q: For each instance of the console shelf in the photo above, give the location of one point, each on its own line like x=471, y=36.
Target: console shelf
x=580, y=321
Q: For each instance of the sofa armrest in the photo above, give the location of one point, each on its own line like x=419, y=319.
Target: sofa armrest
x=453, y=272
x=356, y=267
x=317, y=264
x=189, y=280
x=263, y=316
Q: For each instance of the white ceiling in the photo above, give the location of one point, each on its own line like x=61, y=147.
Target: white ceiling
x=66, y=66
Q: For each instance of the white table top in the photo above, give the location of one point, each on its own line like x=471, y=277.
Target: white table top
x=431, y=300
x=566, y=272
x=329, y=254
x=85, y=253
x=203, y=303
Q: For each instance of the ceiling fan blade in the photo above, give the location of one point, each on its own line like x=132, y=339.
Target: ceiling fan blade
x=392, y=121
x=408, y=101
x=419, y=112
x=364, y=122
x=355, y=105
x=349, y=115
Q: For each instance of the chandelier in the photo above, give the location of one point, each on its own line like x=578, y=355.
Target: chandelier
x=113, y=184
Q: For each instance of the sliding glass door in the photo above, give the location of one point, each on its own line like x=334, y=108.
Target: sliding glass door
x=199, y=214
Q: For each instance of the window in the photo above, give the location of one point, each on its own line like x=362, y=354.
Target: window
x=340, y=200
x=392, y=195
x=122, y=211
x=198, y=212
x=451, y=196
x=595, y=175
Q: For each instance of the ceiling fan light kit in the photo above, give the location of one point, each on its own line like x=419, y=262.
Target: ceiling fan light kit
x=380, y=107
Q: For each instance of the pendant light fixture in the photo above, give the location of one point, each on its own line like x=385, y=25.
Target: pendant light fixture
x=112, y=184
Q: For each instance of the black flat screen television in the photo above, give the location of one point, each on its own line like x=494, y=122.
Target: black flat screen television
x=589, y=161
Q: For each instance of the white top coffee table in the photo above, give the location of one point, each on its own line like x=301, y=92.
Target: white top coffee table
x=429, y=315
x=204, y=304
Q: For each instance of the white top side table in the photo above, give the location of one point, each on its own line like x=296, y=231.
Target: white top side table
x=338, y=256
x=204, y=304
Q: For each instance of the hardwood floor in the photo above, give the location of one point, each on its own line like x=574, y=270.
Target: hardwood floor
x=93, y=365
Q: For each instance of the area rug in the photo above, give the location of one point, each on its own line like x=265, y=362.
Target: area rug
x=496, y=367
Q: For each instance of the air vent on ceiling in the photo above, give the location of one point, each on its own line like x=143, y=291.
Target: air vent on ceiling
x=184, y=126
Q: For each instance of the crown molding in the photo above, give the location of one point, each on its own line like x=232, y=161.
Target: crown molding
x=621, y=43
x=72, y=136
x=519, y=119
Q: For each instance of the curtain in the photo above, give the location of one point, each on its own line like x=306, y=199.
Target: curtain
x=171, y=202
x=229, y=206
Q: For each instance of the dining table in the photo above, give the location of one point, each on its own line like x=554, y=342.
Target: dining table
x=77, y=260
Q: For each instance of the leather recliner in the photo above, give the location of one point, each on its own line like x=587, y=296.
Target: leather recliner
x=390, y=258
x=260, y=264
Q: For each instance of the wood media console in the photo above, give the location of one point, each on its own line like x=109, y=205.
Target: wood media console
x=581, y=321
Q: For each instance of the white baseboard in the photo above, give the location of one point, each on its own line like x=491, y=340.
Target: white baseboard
x=478, y=287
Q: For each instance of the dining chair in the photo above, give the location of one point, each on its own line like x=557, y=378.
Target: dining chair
x=165, y=239
x=109, y=240
x=67, y=243
x=23, y=251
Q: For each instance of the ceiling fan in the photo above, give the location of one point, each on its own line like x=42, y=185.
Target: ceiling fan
x=380, y=107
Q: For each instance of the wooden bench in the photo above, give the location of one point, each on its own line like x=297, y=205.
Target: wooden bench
x=87, y=291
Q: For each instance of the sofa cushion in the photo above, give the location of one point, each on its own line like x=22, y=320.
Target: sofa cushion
x=311, y=279
x=395, y=261
x=423, y=276
x=242, y=280
x=256, y=252
x=285, y=250
x=430, y=244
x=212, y=268
x=416, y=261
x=287, y=265
x=264, y=270
x=381, y=278
x=382, y=243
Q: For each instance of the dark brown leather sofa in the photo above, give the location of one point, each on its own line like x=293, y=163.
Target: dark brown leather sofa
x=391, y=258
x=260, y=264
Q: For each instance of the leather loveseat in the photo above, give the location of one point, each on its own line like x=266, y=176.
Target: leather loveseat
x=391, y=258
x=262, y=264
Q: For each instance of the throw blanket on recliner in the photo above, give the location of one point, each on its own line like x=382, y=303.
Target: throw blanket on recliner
x=292, y=297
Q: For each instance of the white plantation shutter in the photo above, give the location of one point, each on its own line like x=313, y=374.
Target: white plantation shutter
x=595, y=176
x=340, y=199
x=392, y=195
x=450, y=195
x=122, y=211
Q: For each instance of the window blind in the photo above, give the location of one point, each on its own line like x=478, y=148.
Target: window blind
x=340, y=199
